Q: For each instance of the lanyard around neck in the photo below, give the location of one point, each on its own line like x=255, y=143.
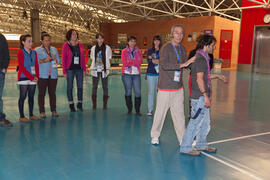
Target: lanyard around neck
x=177, y=54
x=28, y=54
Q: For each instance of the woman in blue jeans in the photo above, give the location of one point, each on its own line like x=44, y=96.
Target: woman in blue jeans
x=131, y=74
x=153, y=72
x=73, y=63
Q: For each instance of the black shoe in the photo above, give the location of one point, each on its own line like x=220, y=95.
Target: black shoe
x=79, y=106
x=72, y=108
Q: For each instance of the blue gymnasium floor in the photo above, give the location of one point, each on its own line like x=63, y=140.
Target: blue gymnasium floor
x=111, y=145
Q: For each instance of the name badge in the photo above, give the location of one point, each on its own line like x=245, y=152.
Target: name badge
x=177, y=75
x=76, y=60
x=135, y=70
x=54, y=65
x=157, y=68
x=33, y=71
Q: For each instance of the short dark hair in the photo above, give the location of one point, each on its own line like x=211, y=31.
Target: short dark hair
x=69, y=33
x=157, y=37
x=205, y=40
x=130, y=38
x=99, y=35
x=23, y=39
x=44, y=34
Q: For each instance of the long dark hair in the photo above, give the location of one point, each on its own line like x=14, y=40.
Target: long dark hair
x=157, y=37
x=23, y=39
x=101, y=48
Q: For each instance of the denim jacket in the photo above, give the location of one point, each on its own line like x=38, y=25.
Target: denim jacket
x=44, y=67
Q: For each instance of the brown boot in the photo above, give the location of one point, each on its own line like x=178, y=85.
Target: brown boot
x=94, y=101
x=24, y=120
x=105, y=101
x=35, y=118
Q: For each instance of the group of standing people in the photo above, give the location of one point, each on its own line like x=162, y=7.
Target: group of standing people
x=164, y=77
x=39, y=67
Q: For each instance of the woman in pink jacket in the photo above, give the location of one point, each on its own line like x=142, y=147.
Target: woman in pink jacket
x=131, y=74
x=73, y=62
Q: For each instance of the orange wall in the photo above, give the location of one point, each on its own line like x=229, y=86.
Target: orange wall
x=150, y=28
x=195, y=24
x=225, y=24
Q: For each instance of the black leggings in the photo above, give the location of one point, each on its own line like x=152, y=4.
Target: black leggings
x=24, y=89
x=104, y=84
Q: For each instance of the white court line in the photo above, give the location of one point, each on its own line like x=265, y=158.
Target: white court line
x=232, y=166
x=238, y=138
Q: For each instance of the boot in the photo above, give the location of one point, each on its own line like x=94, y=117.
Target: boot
x=94, y=101
x=79, y=106
x=105, y=101
x=138, y=105
x=129, y=104
x=72, y=107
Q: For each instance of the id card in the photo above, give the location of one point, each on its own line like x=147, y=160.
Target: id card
x=157, y=68
x=135, y=70
x=177, y=75
x=99, y=68
x=54, y=65
x=76, y=60
x=33, y=71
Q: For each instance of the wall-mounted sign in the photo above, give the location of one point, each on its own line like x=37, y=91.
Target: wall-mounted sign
x=189, y=39
x=266, y=18
x=208, y=32
x=194, y=36
x=165, y=38
x=122, y=39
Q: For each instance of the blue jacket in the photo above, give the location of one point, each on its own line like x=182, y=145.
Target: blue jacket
x=44, y=67
x=151, y=67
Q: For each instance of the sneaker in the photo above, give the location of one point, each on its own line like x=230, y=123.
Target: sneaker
x=42, y=115
x=55, y=114
x=155, y=141
x=5, y=123
x=193, y=152
x=210, y=150
x=149, y=113
x=24, y=120
x=35, y=118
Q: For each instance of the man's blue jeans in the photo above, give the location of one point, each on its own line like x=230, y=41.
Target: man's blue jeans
x=198, y=126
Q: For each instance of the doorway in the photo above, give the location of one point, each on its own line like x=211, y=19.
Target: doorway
x=261, y=50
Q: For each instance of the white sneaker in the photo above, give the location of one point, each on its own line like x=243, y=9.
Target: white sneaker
x=149, y=113
x=155, y=141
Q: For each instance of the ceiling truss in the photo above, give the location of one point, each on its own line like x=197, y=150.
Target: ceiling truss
x=57, y=16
